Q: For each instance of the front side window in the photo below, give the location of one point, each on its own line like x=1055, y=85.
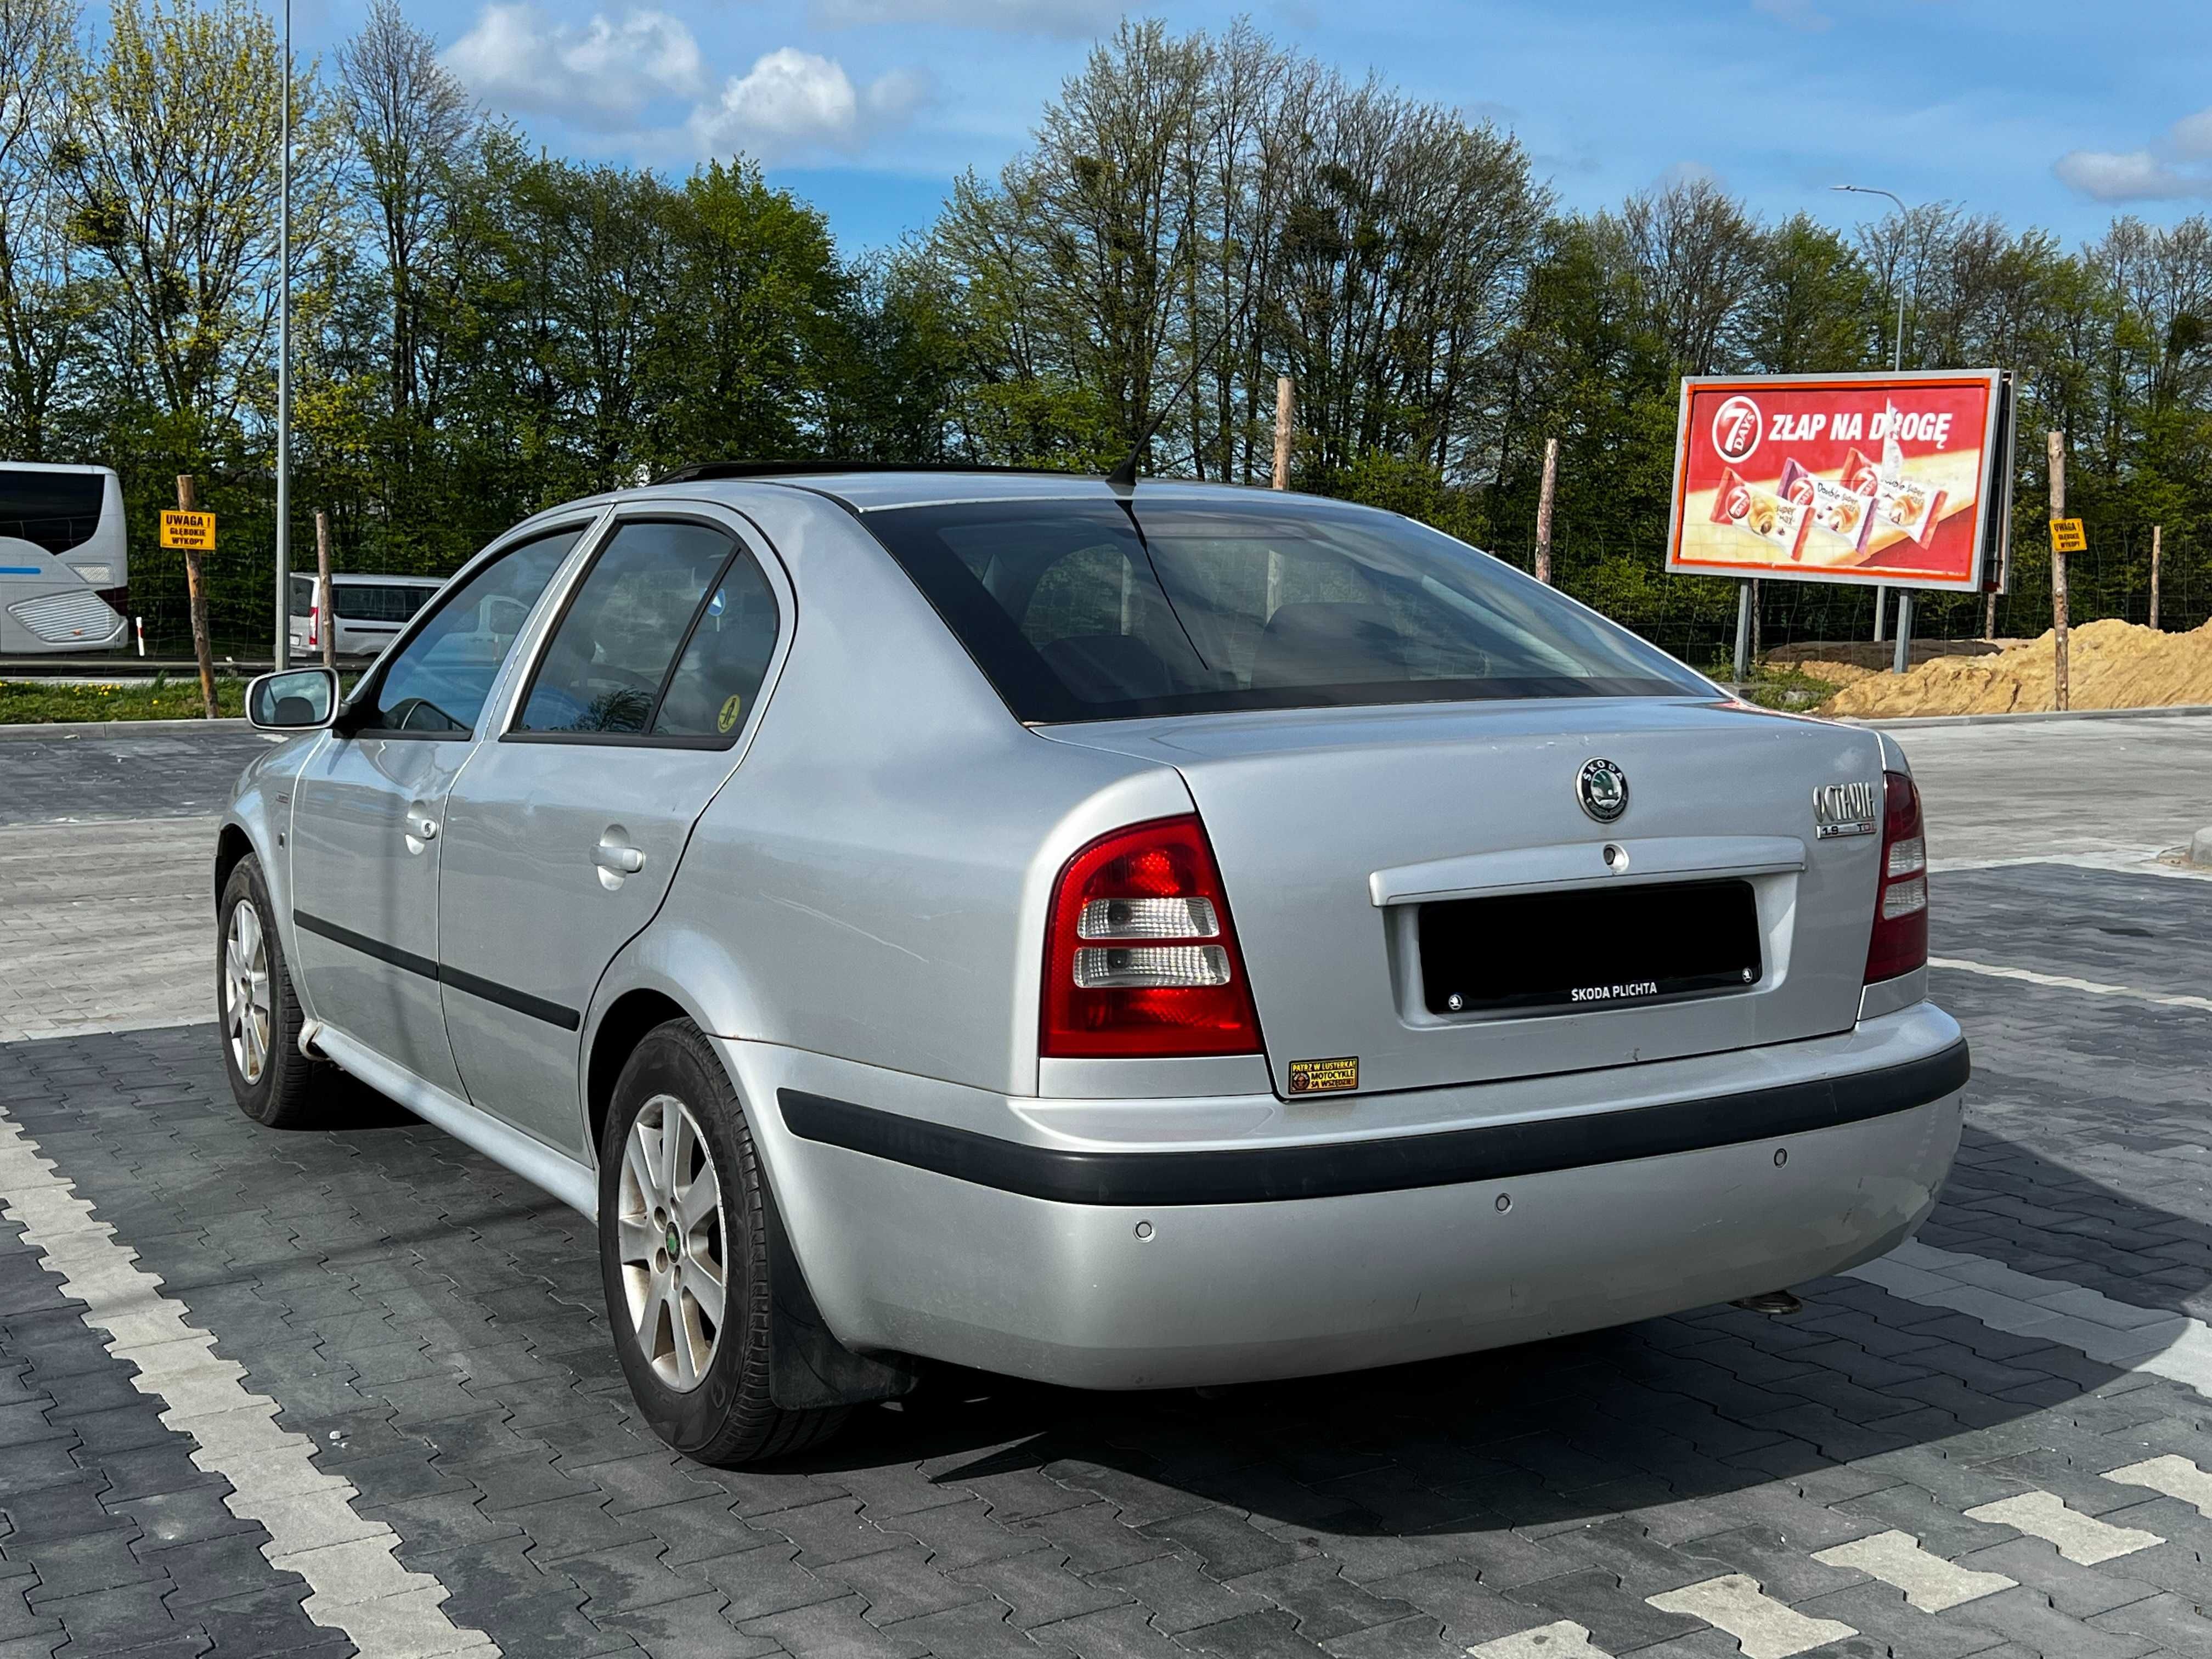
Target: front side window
x=438, y=683
x=1080, y=609
x=609, y=667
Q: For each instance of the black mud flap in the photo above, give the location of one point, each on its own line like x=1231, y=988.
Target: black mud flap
x=808, y=1366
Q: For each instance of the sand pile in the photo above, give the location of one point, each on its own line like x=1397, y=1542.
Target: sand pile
x=2110, y=665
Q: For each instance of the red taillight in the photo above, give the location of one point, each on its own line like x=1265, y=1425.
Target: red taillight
x=1899, y=944
x=1140, y=958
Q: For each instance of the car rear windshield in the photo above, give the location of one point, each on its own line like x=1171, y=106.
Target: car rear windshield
x=1090, y=610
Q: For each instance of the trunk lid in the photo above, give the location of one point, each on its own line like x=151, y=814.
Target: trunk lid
x=1335, y=830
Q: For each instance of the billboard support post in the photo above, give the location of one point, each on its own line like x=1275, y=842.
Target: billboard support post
x=2156, y=531
x=2055, y=447
x=1903, y=659
x=1742, y=632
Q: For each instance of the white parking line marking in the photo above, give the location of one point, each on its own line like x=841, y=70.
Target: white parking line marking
x=2068, y=983
x=1929, y=1582
x=1563, y=1640
x=355, y=1584
x=2115, y=1333
x=2081, y=1539
x=1763, y=1627
x=2173, y=1477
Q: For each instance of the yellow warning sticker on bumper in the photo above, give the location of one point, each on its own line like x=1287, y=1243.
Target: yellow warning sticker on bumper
x=1312, y=1077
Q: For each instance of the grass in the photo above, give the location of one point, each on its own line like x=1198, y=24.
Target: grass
x=1787, y=686
x=28, y=702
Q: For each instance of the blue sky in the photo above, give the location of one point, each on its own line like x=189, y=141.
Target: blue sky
x=2046, y=112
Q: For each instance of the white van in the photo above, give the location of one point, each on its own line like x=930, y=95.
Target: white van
x=370, y=610
x=64, y=568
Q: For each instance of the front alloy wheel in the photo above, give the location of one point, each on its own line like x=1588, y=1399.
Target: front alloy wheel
x=272, y=1080
x=245, y=1020
x=674, y=1244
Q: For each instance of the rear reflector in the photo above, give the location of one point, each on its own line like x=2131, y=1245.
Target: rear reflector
x=1140, y=957
x=1900, y=943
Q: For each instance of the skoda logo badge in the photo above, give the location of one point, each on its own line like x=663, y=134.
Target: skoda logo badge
x=1602, y=788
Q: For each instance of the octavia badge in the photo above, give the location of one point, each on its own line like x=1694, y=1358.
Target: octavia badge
x=1602, y=788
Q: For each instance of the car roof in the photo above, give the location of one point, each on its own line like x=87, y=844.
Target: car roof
x=876, y=488
x=342, y=577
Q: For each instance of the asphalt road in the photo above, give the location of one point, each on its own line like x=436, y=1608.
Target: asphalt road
x=351, y=1389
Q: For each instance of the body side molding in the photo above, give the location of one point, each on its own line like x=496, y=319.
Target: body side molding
x=1337, y=1168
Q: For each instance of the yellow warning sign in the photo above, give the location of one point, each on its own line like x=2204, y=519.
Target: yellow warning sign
x=193, y=530
x=2066, y=536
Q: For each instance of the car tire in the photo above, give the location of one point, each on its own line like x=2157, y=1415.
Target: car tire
x=687, y=1270
x=272, y=1081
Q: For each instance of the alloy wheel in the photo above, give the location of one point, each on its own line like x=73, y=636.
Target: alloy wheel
x=673, y=1241
x=245, y=991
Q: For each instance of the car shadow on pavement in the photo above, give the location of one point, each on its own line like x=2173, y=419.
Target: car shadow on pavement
x=437, y=1327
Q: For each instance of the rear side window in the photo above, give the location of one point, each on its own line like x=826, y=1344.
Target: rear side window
x=378, y=602
x=667, y=637
x=1080, y=609
x=438, y=683
x=718, y=679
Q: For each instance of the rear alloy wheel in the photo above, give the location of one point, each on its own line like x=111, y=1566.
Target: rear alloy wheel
x=271, y=1080
x=685, y=1258
x=673, y=1241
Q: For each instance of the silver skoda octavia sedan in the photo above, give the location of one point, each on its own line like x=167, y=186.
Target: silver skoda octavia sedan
x=1125, y=936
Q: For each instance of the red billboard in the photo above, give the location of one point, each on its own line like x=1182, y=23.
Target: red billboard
x=1902, y=479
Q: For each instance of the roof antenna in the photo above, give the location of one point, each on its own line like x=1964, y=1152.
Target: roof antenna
x=1124, y=477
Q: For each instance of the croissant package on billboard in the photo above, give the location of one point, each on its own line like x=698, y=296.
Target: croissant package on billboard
x=1901, y=479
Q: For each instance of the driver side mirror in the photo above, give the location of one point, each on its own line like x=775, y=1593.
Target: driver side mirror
x=298, y=700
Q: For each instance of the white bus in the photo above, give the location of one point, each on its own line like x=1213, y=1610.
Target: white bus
x=64, y=568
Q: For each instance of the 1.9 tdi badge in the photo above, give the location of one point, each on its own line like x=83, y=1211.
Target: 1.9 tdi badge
x=1602, y=788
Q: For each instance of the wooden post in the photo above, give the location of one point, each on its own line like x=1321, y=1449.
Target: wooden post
x=1544, y=511
x=2156, y=531
x=1285, y=414
x=196, y=587
x=2055, y=445
x=323, y=613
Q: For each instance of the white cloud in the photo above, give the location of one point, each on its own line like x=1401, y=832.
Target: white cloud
x=602, y=74
x=792, y=102
x=2134, y=175
x=608, y=75
x=2171, y=167
x=1065, y=18
x=1798, y=14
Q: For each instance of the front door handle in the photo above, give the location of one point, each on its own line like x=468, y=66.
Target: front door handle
x=615, y=858
x=421, y=829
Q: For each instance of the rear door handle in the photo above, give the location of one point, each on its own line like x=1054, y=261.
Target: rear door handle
x=615, y=858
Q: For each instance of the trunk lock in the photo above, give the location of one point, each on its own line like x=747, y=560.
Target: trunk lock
x=1616, y=857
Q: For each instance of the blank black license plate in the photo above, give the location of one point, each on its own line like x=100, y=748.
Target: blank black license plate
x=1590, y=948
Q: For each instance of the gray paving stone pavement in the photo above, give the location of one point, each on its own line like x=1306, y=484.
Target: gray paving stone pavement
x=435, y=1328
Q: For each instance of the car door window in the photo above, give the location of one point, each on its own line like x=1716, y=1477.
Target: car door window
x=718, y=679
x=605, y=667
x=437, y=684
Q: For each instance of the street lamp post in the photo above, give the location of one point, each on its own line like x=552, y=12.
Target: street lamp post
x=1896, y=366
x=282, y=654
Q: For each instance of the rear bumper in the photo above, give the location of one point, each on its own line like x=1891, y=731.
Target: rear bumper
x=1103, y=1267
